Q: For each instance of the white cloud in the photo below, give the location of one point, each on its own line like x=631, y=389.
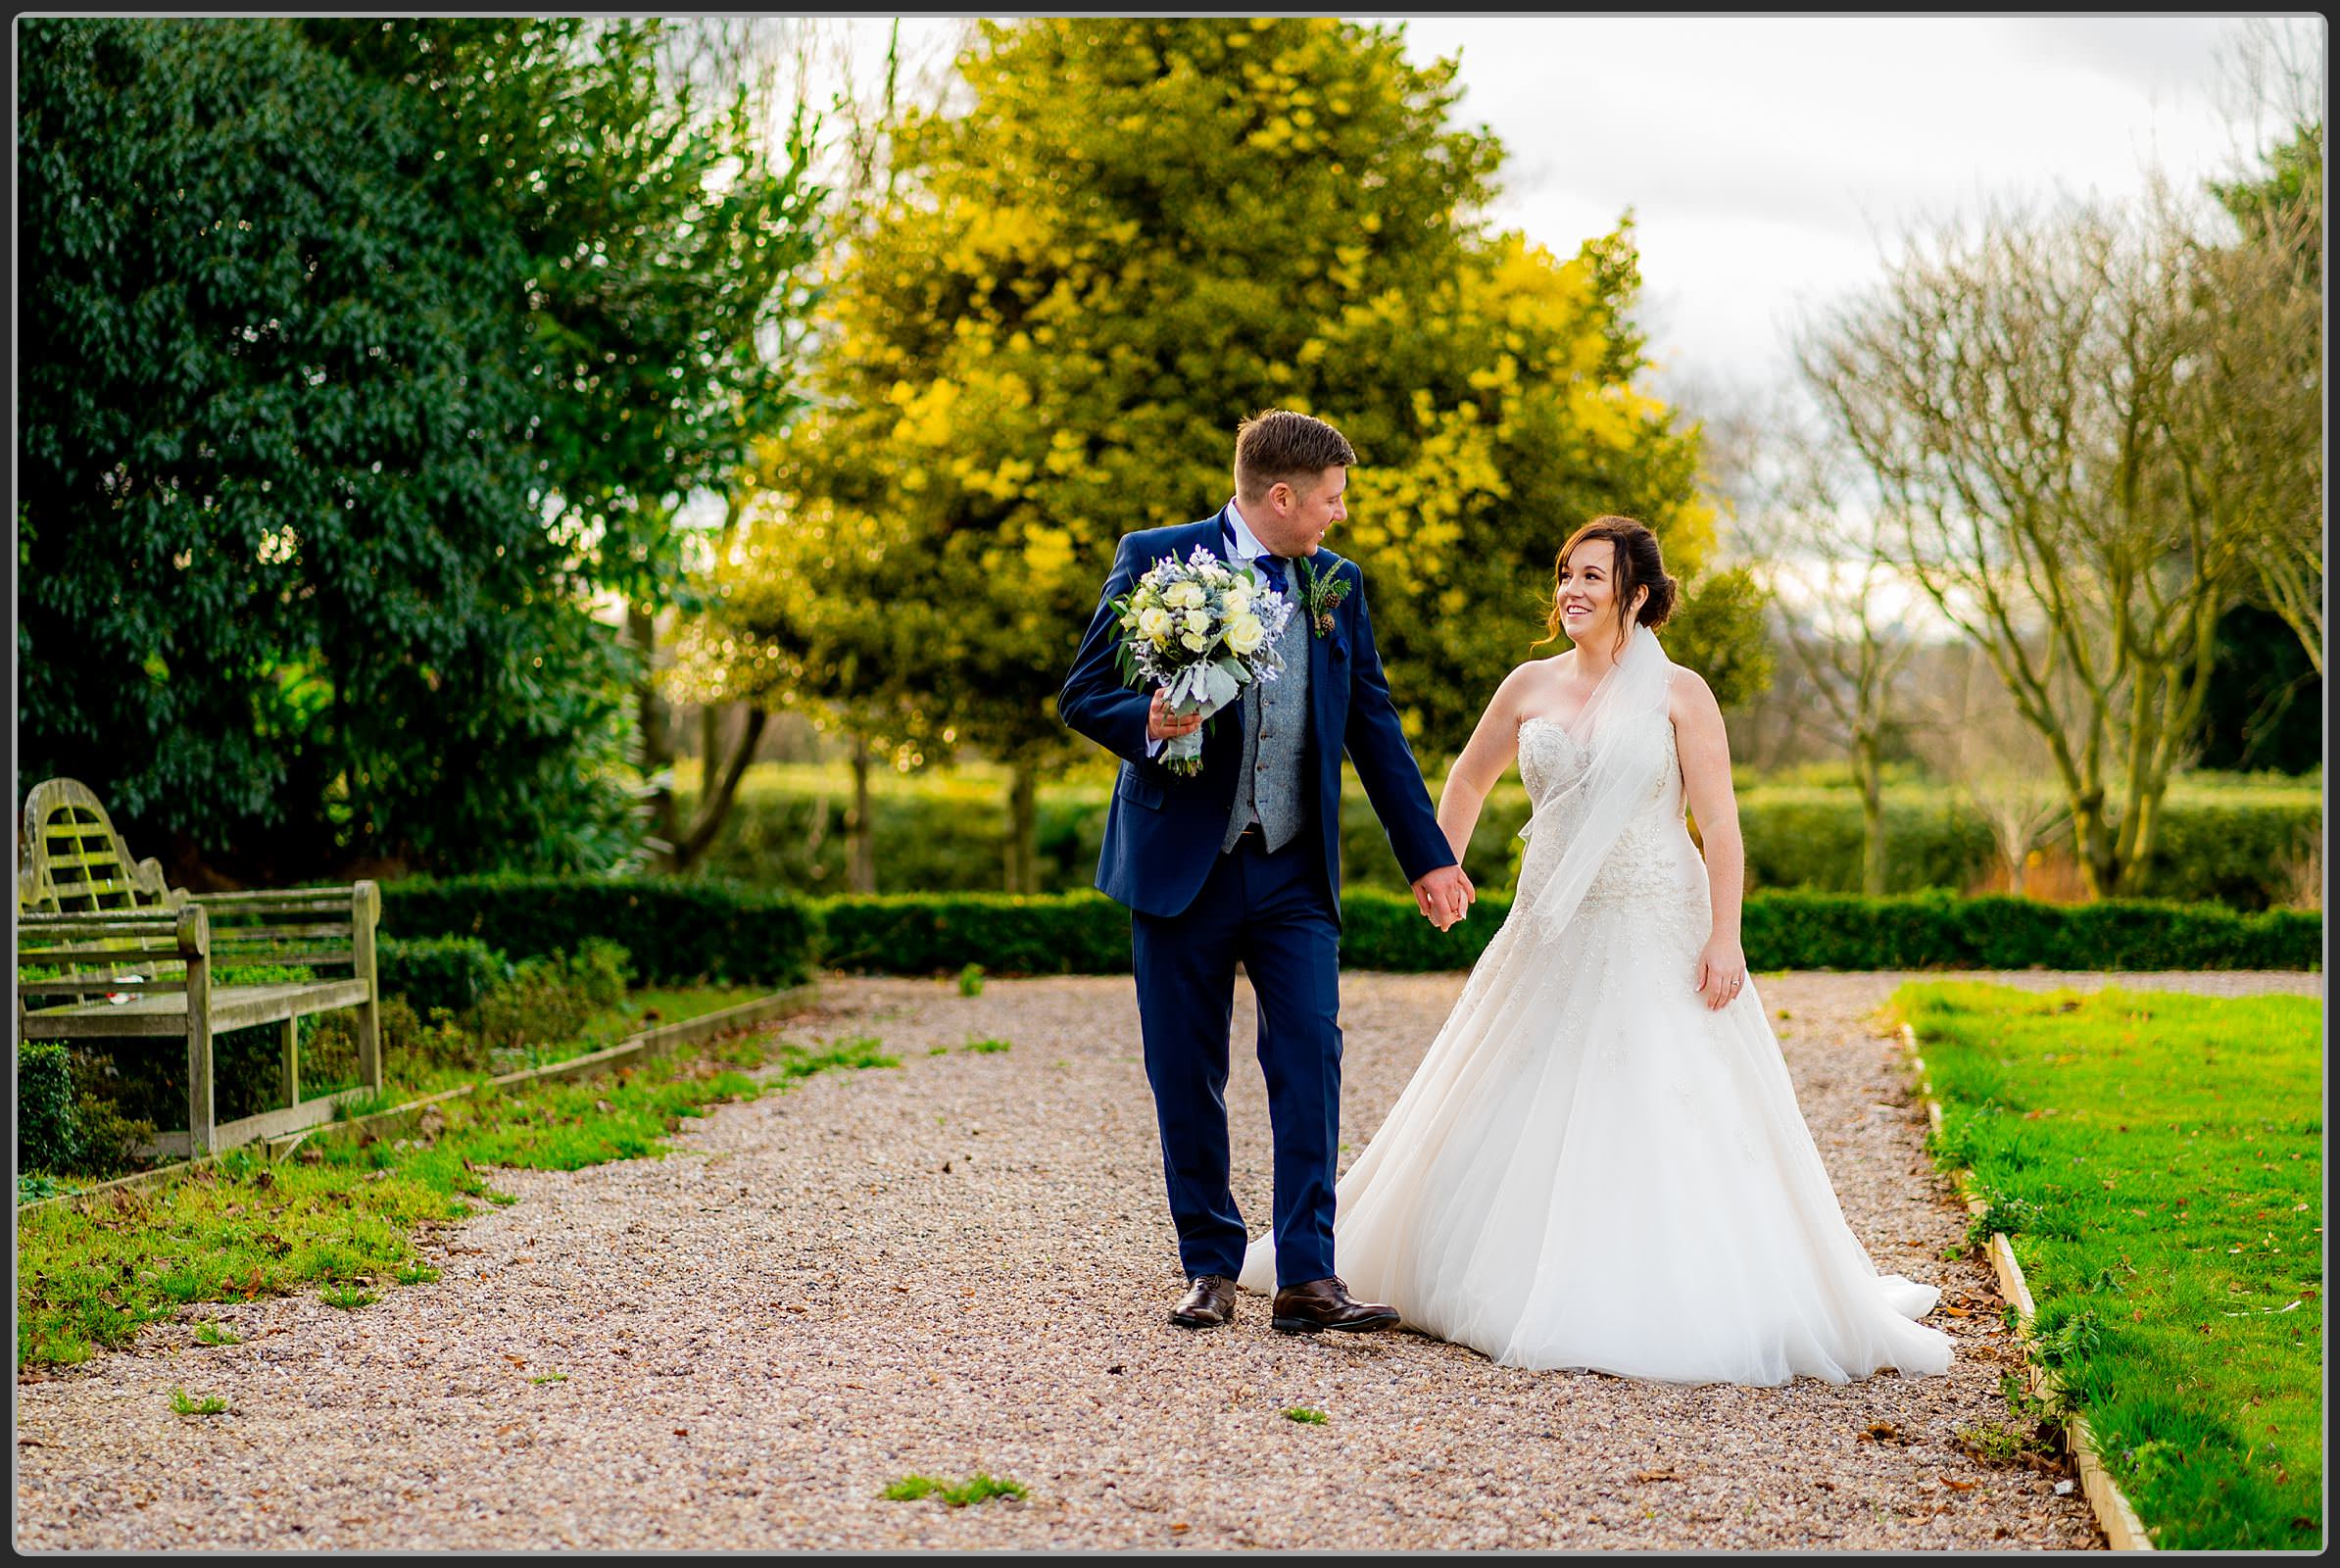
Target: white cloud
x=1766, y=159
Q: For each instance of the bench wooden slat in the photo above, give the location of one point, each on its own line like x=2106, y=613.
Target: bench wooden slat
x=234, y=955
x=92, y=985
x=286, y=897
x=125, y=922
x=232, y=1007
x=222, y=931
x=128, y=954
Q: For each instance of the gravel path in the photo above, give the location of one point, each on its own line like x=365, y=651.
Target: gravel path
x=964, y=1265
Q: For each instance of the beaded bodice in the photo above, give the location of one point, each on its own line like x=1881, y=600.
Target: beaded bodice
x=1655, y=858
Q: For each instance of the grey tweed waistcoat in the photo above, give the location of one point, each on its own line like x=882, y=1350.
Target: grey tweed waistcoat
x=1269, y=790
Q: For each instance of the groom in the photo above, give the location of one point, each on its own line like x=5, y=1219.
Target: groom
x=1241, y=863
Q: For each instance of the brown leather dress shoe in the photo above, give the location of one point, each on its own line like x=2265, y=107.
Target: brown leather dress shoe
x=1322, y=1304
x=1208, y=1302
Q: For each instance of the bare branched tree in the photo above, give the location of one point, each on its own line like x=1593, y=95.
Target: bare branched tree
x=2040, y=407
x=1837, y=597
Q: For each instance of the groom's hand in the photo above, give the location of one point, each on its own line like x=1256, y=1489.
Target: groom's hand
x=1161, y=724
x=1445, y=895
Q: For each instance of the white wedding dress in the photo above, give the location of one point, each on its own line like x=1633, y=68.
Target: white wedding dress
x=1592, y=1169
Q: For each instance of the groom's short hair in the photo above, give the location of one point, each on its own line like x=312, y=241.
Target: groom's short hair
x=1278, y=445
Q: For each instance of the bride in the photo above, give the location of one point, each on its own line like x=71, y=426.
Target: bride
x=1599, y=1162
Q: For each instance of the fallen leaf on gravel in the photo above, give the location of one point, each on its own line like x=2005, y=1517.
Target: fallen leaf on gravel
x=1881, y=1432
x=1955, y=1311
x=1956, y=1484
x=682, y=1432
x=1175, y=1529
x=1655, y=1475
x=515, y=1360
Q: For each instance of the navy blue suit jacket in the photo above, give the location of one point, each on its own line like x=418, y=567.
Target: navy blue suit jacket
x=1162, y=830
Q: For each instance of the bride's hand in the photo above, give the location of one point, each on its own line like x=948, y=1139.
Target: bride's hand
x=1722, y=971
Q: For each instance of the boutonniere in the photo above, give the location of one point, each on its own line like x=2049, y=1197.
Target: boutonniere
x=1319, y=596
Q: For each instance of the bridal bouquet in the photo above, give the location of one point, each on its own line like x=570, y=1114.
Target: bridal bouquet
x=1202, y=631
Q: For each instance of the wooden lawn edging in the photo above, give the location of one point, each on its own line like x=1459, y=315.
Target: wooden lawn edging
x=649, y=1042
x=2114, y=1514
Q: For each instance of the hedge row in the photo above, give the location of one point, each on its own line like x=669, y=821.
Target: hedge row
x=1086, y=933
x=676, y=931
x=681, y=930
x=2232, y=849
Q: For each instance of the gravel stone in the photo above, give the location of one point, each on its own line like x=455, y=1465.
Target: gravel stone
x=965, y=1265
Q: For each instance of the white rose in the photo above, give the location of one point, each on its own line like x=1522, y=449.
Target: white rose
x=1153, y=622
x=1244, y=634
x=1196, y=640
x=1238, y=598
x=1184, y=595
x=1197, y=621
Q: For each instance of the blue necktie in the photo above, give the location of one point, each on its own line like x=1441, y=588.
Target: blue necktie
x=1269, y=567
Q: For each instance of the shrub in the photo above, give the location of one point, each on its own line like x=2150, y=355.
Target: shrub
x=2226, y=841
x=550, y=999
x=47, y=1139
x=438, y=973
x=676, y=931
x=1088, y=934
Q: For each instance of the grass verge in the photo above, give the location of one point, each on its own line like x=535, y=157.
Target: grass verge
x=345, y=1211
x=2157, y=1160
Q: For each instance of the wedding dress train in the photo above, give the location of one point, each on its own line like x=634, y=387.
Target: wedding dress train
x=1590, y=1168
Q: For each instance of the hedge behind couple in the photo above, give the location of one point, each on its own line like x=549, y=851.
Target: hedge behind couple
x=1599, y=1162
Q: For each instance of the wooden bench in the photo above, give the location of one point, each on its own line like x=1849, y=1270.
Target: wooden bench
x=106, y=950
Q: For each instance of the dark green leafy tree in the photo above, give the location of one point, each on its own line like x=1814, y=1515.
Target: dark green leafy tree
x=666, y=268
x=311, y=516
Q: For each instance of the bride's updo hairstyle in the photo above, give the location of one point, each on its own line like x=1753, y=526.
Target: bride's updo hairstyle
x=1639, y=565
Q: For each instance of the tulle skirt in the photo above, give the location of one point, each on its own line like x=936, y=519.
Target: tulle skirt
x=1592, y=1170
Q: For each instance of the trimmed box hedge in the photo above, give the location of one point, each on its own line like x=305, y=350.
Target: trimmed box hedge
x=676, y=931
x=1087, y=933
x=2231, y=845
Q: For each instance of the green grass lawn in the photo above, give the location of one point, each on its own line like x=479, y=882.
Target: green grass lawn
x=344, y=1211
x=2158, y=1161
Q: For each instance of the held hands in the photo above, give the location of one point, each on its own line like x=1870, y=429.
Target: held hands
x=1444, y=895
x=1722, y=972
x=1161, y=724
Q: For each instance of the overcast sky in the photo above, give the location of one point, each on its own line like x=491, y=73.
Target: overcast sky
x=1764, y=158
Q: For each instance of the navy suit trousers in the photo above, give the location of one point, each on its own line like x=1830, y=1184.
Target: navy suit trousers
x=1273, y=913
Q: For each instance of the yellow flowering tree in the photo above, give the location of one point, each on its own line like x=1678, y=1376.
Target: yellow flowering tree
x=1142, y=230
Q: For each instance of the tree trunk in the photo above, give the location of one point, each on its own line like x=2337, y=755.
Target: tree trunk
x=1871, y=761
x=655, y=719
x=861, y=837
x=718, y=792
x=1023, y=829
